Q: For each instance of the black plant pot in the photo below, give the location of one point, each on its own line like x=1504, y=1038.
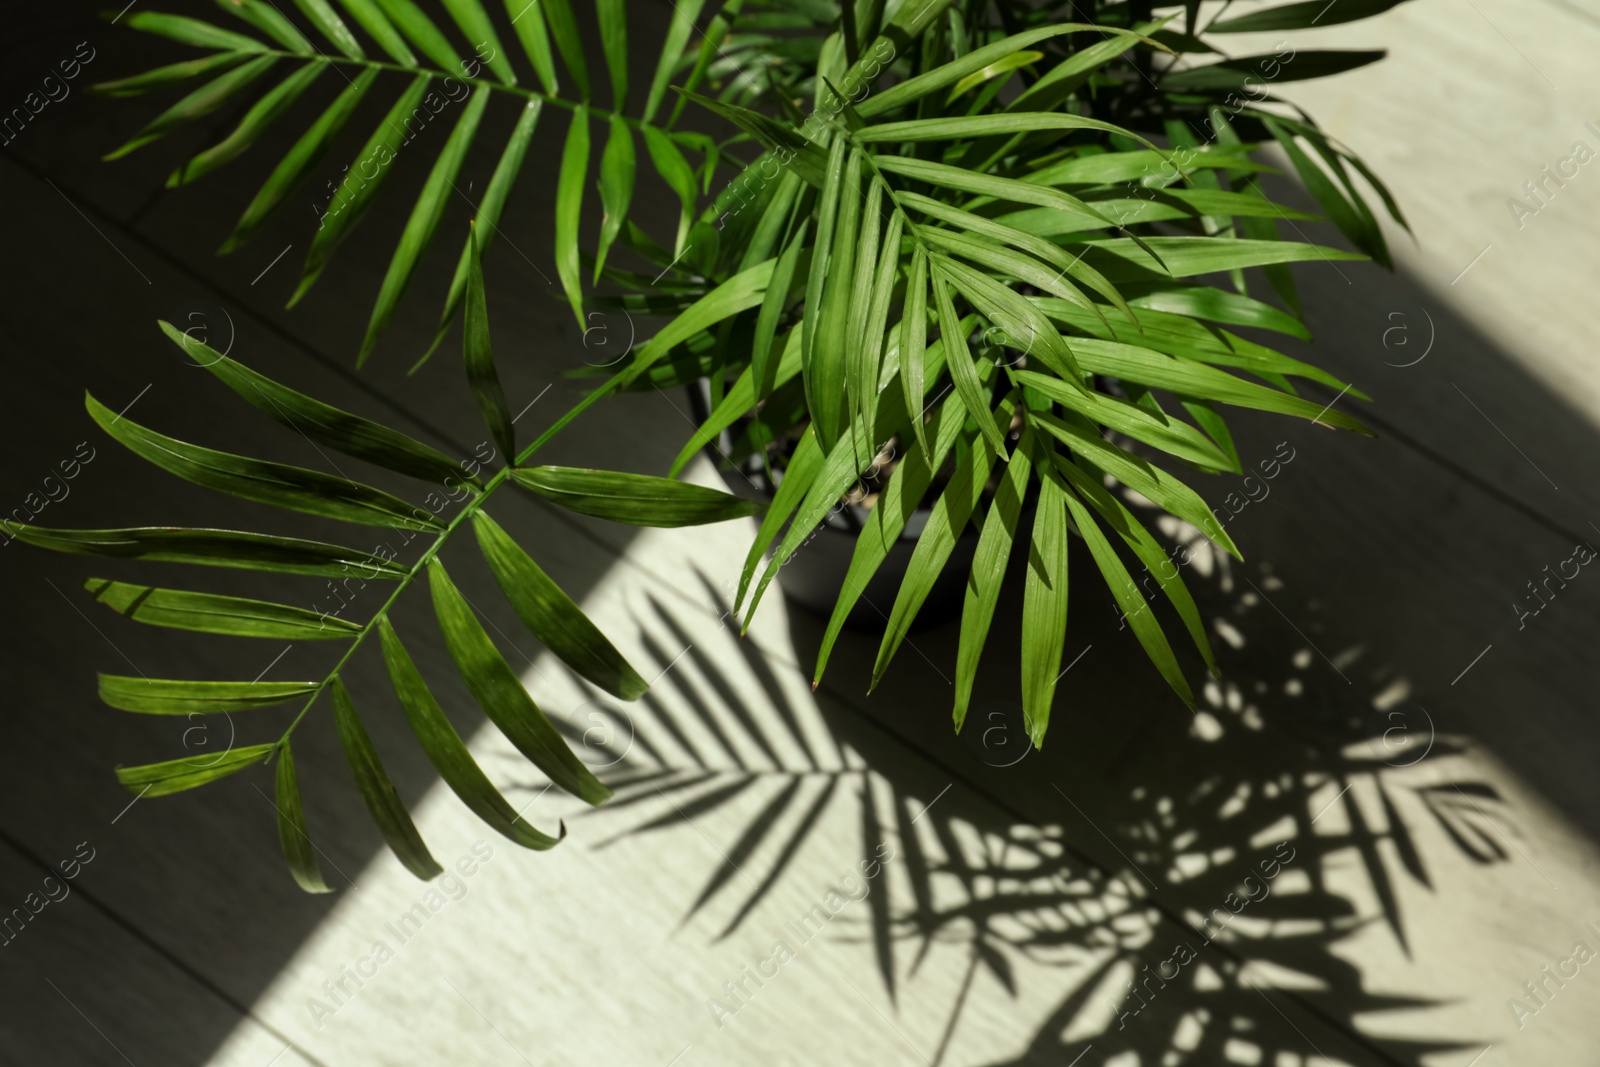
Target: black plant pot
x=814, y=575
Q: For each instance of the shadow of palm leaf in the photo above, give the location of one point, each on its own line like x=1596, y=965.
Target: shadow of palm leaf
x=1212, y=941
x=1193, y=953
x=703, y=750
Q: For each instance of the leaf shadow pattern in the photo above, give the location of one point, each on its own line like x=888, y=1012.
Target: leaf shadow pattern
x=1212, y=941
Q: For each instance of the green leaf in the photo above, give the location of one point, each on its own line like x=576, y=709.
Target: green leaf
x=1059, y=83
x=1161, y=488
x=1302, y=16
x=1009, y=189
x=812, y=315
x=173, y=73
x=181, y=609
x=1141, y=166
x=646, y=246
x=676, y=172
x=846, y=115
x=1350, y=215
x=1184, y=257
x=479, y=355
x=322, y=423
x=848, y=30
x=790, y=148
x=950, y=515
x=988, y=571
x=293, y=834
x=635, y=499
x=269, y=20
x=216, y=548
x=1141, y=619
x=908, y=485
x=374, y=21
x=1007, y=262
x=277, y=484
x=325, y=19
x=447, y=752
x=1223, y=202
x=1124, y=212
x=1172, y=436
x=1148, y=550
x=424, y=220
x=1044, y=609
x=1046, y=251
x=827, y=360
x=861, y=361
x=804, y=467
x=684, y=13
x=986, y=185
x=194, y=32
x=1152, y=206
x=1023, y=326
x=709, y=48
x=914, y=342
x=874, y=329
x=552, y=617
x=966, y=126
x=778, y=213
x=1235, y=73
x=262, y=114
x=739, y=293
x=488, y=213
x=500, y=692
x=1151, y=368
x=1216, y=427
x=855, y=449
x=1279, y=275
x=162, y=696
x=569, y=207
x=1336, y=158
x=617, y=166
x=423, y=33
x=190, y=772
x=1010, y=63
x=1189, y=340
x=202, y=101
x=914, y=89
x=1219, y=305
x=356, y=191
x=614, y=39
x=565, y=30
x=763, y=369
x=300, y=160
x=958, y=359
x=479, y=31
x=1379, y=187
x=535, y=42
x=377, y=791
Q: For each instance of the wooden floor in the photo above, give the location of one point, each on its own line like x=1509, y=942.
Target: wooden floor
x=1408, y=755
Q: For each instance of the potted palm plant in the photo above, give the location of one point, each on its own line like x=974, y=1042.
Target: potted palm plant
x=971, y=267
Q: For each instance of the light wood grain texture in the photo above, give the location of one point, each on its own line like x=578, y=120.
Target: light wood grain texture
x=1376, y=572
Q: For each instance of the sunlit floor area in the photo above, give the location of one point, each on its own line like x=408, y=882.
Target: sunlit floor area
x=1376, y=842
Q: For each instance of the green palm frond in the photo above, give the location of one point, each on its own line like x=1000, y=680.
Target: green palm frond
x=1063, y=276
x=1010, y=248
x=550, y=615
x=426, y=73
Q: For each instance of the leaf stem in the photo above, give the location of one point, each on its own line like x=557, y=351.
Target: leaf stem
x=471, y=508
